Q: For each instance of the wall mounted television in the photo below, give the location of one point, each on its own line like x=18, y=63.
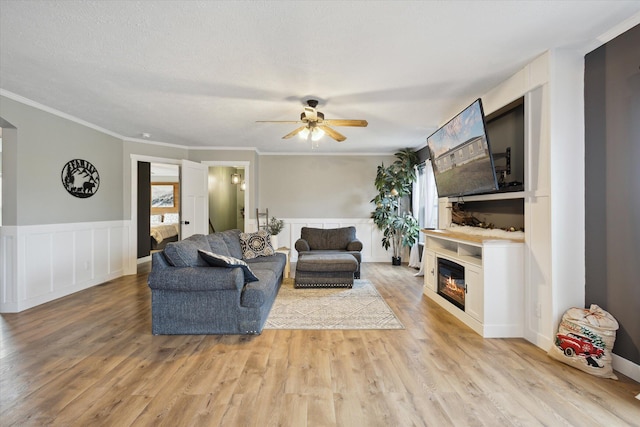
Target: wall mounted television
x=461, y=155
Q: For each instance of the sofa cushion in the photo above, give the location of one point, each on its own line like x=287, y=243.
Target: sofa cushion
x=327, y=262
x=257, y=293
x=185, y=252
x=354, y=246
x=216, y=260
x=232, y=239
x=256, y=244
x=218, y=245
x=330, y=238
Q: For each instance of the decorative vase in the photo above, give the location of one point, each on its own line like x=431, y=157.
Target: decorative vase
x=274, y=241
x=396, y=260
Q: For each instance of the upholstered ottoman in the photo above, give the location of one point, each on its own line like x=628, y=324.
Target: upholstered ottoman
x=325, y=271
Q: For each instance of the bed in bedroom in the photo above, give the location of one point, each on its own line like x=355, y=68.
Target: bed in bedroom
x=165, y=228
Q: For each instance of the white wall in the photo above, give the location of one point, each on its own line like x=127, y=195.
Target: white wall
x=40, y=263
x=554, y=186
x=366, y=232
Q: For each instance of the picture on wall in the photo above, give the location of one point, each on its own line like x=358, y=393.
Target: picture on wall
x=80, y=178
x=162, y=196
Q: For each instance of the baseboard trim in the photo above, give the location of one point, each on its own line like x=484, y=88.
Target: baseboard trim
x=626, y=367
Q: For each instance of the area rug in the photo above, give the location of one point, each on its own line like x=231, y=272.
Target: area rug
x=360, y=307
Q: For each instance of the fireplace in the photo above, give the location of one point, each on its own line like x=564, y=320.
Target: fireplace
x=451, y=285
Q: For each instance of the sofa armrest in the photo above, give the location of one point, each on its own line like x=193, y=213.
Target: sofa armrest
x=196, y=279
x=354, y=245
x=302, y=245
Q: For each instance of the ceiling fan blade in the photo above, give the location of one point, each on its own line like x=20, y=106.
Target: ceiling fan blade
x=332, y=133
x=340, y=122
x=278, y=121
x=294, y=133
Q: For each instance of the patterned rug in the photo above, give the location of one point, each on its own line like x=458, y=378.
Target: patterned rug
x=360, y=307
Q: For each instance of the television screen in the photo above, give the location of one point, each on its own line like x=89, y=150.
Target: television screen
x=461, y=156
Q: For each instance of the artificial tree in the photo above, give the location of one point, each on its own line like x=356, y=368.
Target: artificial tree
x=394, y=184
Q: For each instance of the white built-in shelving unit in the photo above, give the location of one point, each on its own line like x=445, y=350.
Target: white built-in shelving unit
x=494, y=280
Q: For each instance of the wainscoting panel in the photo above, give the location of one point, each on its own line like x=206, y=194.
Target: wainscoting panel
x=63, y=273
x=366, y=231
x=43, y=262
x=8, y=262
x=37, y=275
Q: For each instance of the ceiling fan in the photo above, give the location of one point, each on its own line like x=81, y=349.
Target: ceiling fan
x=315, y=125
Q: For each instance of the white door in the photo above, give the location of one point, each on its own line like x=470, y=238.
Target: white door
x=474, y=298
x=194, y=196
x=429, y=258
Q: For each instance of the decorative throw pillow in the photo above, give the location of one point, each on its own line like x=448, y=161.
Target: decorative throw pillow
x=216, y=260
x=256, y=244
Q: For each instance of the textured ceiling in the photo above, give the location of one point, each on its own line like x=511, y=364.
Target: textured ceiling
x=200, y=74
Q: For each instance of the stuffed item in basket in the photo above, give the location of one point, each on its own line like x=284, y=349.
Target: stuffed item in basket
x=585, y=339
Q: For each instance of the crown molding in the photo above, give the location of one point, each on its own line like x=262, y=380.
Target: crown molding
x=622, y=27
x=34, y=104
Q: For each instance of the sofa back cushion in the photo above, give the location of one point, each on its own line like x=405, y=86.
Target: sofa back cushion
x=185, y=252
x=232, y=239
x=218, y=245
x=329, y=238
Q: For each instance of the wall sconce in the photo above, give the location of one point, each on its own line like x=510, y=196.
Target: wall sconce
x=235, y=178
x=243, y=186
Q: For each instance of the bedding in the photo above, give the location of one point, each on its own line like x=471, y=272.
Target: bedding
x=165, y=231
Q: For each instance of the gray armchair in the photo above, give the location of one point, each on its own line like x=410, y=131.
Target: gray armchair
x=330, y=240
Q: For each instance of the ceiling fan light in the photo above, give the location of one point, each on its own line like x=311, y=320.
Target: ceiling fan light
x=304, y=133
x=316, y=134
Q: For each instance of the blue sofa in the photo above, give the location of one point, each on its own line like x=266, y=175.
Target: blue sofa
x=188, y=296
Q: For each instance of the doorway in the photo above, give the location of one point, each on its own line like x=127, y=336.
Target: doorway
x=226, y=198
x=229, y=189
x=158, y=206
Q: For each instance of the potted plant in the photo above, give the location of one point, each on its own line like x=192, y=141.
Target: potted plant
x=394, y=183
x=274, y=227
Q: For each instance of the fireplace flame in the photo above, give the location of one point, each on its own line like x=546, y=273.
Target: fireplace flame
x=453, y=289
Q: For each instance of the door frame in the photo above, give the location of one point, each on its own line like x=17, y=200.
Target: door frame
x=133, y=236
x=247, y=178
x=135, y=158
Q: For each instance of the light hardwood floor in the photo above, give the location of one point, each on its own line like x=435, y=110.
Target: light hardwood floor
x=89, y=359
